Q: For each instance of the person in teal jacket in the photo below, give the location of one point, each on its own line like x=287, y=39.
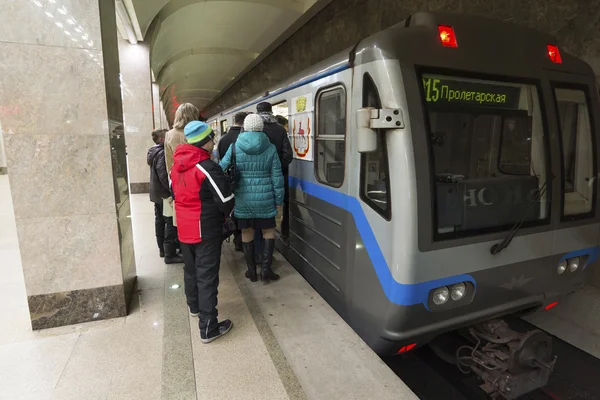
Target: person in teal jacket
x=259, y=192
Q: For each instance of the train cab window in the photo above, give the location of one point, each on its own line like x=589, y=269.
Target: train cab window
x=489, y=155
x=330, y=147
x=375, y=183
x=577, y=152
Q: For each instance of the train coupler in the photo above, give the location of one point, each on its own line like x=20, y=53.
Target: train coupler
x=510, y=363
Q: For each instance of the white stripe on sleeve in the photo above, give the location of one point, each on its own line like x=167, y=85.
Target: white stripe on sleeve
x=214, y=185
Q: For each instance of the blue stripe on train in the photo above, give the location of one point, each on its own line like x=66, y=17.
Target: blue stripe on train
x=592, y=254
x=397, y=293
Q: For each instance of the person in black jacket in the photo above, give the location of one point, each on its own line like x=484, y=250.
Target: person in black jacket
x=166, y=233
x=277, y=134
x=232, y=134
x=227, y=140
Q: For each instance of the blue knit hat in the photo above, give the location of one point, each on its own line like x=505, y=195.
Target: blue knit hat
x=198, y=133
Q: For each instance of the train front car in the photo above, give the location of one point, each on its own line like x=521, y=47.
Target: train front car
x=491, y=188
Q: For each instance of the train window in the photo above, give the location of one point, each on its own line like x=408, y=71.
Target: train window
x=374, y=172
x=577, y=152
x=224, y=126
x=515, y=147
x=489, y=154
x=281, y=108
x=330, y=147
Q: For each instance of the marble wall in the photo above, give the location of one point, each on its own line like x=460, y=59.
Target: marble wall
x=62, y=146
x=137, y=110
x=160, y=120
x=3, y=167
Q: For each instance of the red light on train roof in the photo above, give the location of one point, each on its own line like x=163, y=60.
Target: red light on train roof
x=406, y=348
x=447, y=36
x=554, y=54
x=551, y=305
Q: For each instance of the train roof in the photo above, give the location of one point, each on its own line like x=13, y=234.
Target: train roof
x=484, y=44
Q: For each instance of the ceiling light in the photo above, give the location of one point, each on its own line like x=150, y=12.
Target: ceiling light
x=71, y=21
x=84, y=37
x=59, y=24
x=78, y=30
x=62, y=10
x=52, y=1
x=67, y=33
x=37, y=3
x=75, y=40
x=91, y=43
x=49, y=15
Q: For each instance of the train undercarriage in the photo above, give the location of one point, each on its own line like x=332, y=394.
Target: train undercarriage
x=509, y=364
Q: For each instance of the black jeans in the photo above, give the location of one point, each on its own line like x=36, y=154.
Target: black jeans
x=201, y=277
x=163, y=226
x=285, y=217
x=159, y=225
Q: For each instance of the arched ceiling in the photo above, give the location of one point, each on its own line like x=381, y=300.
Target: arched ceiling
x=198, y=47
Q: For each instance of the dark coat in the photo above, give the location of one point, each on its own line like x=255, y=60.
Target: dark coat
x=227, y=139
x=159, y=180
x=278, y=136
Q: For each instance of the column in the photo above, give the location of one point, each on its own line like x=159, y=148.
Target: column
x=137, y=111
x=65, y=148
x=3, y=168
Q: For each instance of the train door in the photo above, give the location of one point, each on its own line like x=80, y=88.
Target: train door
x=574, y=102
x=318, y=190
x=370, y=187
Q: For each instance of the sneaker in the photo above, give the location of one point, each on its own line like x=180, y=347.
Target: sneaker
x=193, y=314
x=161, y=254
x=224, y=328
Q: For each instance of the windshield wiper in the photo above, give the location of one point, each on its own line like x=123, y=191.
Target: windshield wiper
x=498, y=247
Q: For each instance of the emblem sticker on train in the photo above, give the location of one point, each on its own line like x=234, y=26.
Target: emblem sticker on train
x=516, y=283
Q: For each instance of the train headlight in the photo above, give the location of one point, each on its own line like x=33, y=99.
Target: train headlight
x=441, y=296
x=562, y=267
x=458, y=291
x=573, y=264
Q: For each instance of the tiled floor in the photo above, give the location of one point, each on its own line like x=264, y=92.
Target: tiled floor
x=294, y=348
x=119, y=359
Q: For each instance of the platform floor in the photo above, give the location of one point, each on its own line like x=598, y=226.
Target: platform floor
x=287, y=343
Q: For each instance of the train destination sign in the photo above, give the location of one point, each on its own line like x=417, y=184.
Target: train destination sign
x=448, y=91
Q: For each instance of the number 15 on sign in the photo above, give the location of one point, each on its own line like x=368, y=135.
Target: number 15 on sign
x=432, y=90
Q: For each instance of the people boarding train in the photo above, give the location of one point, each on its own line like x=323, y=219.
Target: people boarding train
x=259, y=192
x=202, y=201
x=226, y=140
x=277, y=134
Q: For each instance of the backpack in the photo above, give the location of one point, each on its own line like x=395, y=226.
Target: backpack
x=232, y=174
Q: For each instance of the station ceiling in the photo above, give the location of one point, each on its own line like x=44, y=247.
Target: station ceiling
x=198, y=47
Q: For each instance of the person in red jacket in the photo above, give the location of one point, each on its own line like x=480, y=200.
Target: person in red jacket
x=202, y=201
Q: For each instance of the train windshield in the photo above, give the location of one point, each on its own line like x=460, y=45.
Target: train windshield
x=488, y=154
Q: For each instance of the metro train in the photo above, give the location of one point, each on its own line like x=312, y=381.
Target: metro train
x=444, y=177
